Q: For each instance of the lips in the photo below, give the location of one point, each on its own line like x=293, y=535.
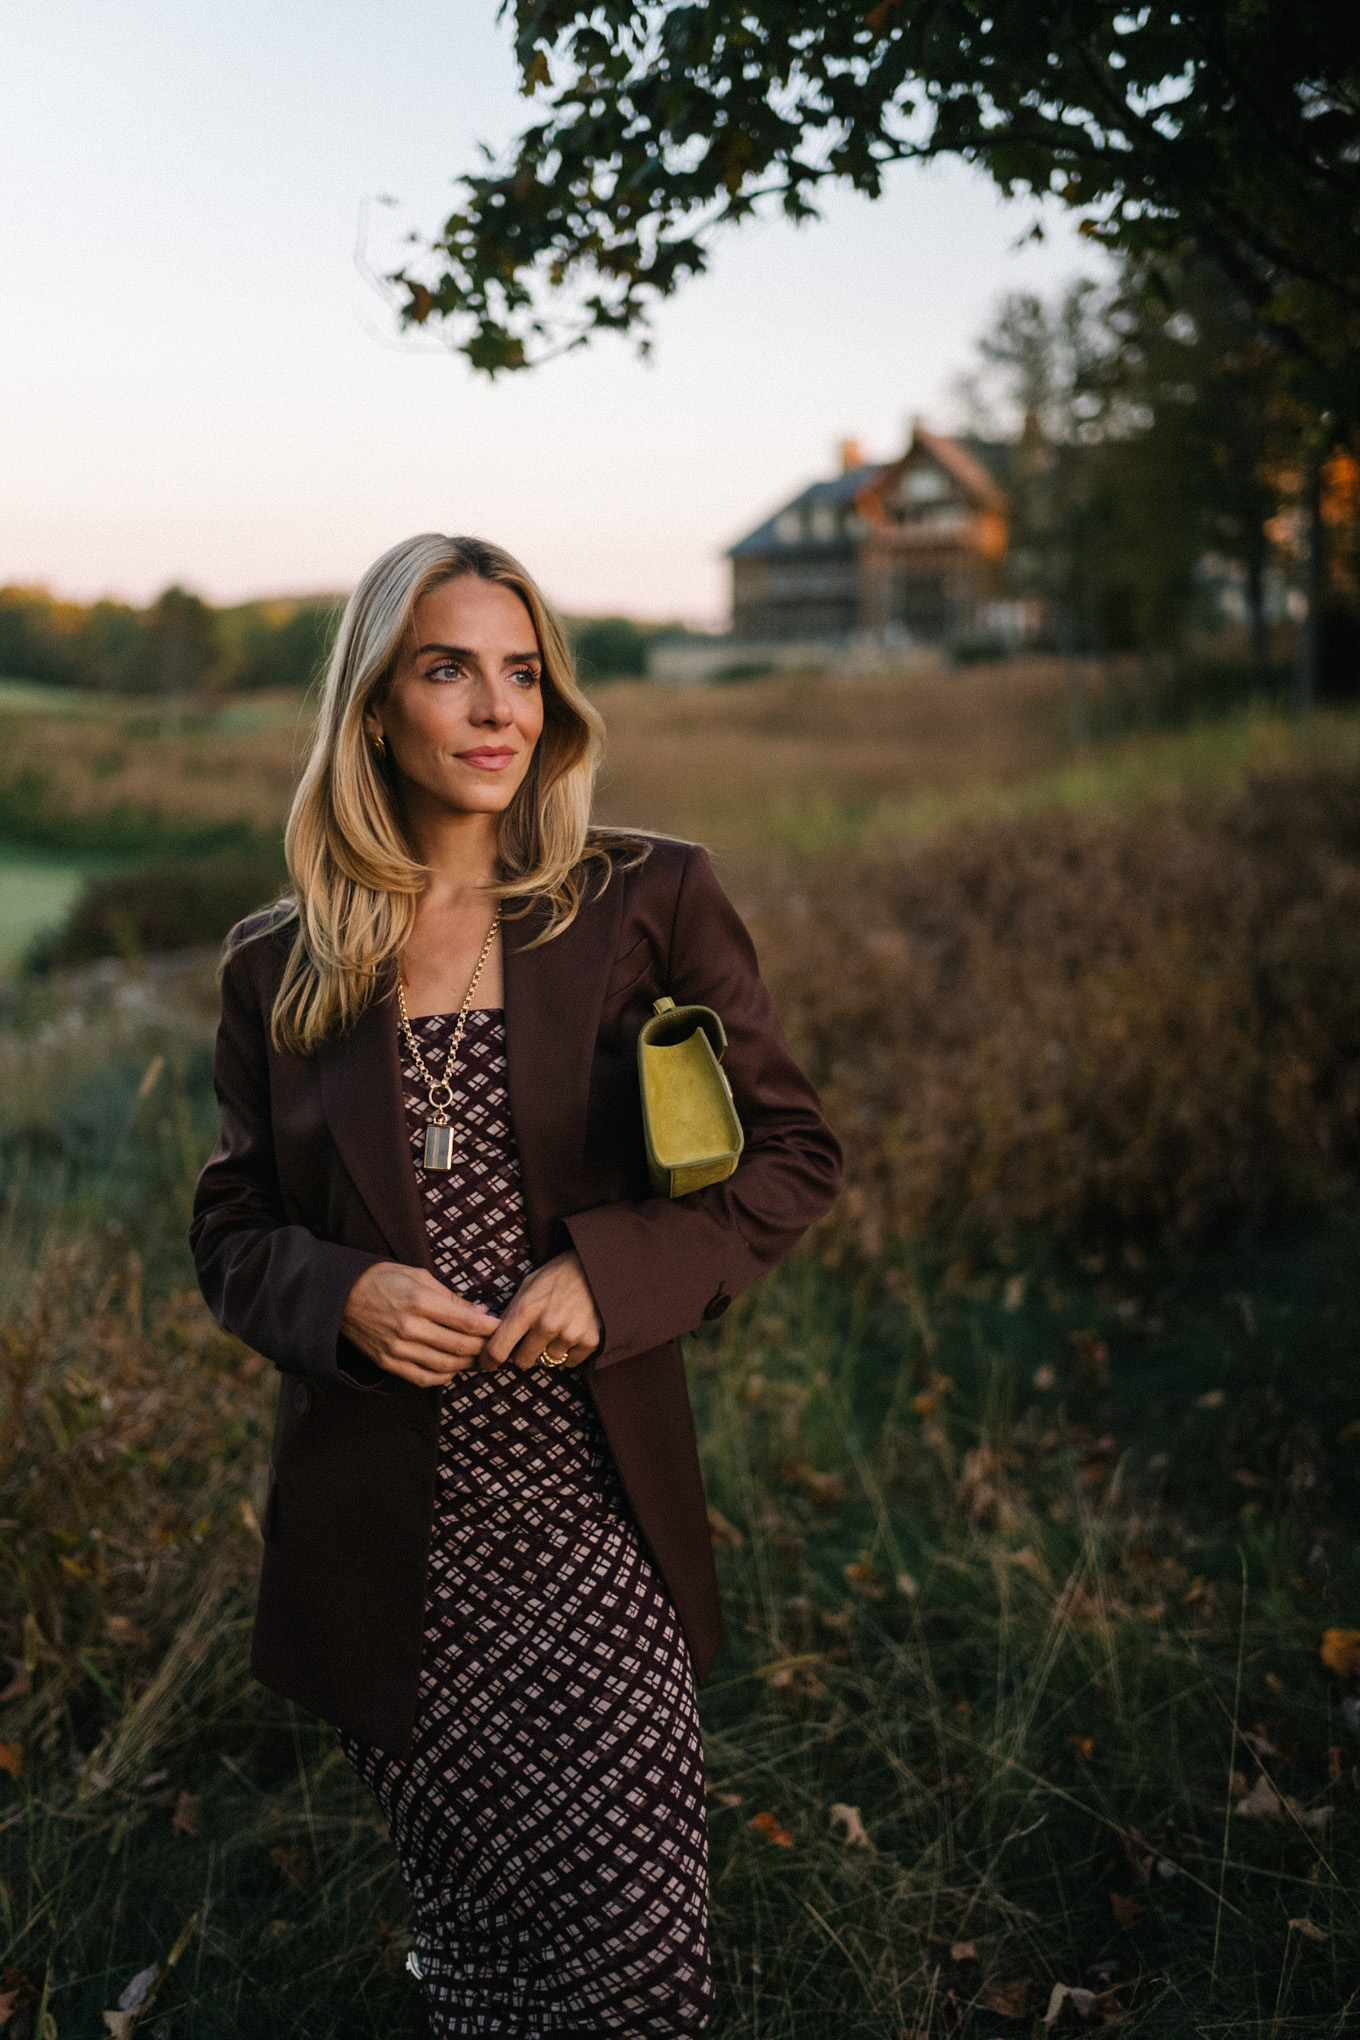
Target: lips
x=489, y=756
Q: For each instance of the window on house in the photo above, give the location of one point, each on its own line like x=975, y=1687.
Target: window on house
x=922, y=485
x=789, y=526
x=822, y=522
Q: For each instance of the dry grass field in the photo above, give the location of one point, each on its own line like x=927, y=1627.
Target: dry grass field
x=1033, y=1475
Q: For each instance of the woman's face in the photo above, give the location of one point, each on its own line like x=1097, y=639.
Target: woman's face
x=464, y=708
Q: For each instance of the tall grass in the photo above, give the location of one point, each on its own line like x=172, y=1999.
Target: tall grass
x=994, y=1684
x=1034, y=1496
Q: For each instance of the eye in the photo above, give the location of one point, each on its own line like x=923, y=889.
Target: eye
x=445, y=669
x=525, y=676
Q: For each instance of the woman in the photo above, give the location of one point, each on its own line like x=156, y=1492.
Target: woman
x=486, y=1557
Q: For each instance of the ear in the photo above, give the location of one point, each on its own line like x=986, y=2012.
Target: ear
x=372, y=723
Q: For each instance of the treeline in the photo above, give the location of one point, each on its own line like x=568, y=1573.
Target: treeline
x=179, y=646
x=1170, y=461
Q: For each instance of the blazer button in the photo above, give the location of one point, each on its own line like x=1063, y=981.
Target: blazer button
x=302, y=1398
x=716, y=1305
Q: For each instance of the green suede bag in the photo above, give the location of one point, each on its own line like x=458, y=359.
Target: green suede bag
x=689, y=1120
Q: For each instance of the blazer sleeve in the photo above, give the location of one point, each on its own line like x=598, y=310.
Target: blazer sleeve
x=270, y=1281
x=659, y=1267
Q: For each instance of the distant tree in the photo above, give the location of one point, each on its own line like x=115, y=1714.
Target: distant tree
x=1157, y=430
x=1230, y=128
x=113, y=647
x=610, y=648
x=278, y=644
x=181, y=643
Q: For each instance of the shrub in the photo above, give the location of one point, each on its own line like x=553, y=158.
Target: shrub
x=182, y=905
x=610, y=648
x=1100, y=1023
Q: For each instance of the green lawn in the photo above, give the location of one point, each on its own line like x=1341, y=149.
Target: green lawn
x=36, y=893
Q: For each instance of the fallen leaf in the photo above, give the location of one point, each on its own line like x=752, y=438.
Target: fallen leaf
x=906, y=1586
x=1262, y=1802
x=296, y=1865
x=246, y=1511
x=1011, y=2000
x=724, y=1533
x=1125, y=1910
x=1309, y=1929
x=120, y=2024
x=184, y=1820
x=1340, y=1652
x=1091, y=1350
x=863, y=1575
x=1259, y=1742
x=1214, y=1400
x=121, y=1630
x=12, y=1758
x=825, y=1490
x=1140, y=1854
x=1315, y=1817
x=1083, y=1747
x=848, y=1818
x=728, y=1798
x=767, y=1825
x=1028, y=1560
x=1044, y=1378
x=1082, y=2001
x=963, y=1951
x=134, y=1993
x=1013, y=1295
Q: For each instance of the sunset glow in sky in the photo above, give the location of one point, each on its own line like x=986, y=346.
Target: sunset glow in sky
x=197, y=384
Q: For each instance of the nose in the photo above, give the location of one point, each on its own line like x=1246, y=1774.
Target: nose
x=491, y=706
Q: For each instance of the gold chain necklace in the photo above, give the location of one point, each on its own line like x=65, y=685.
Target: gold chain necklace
x=439, y=1134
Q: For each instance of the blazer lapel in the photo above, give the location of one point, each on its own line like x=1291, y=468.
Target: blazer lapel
x=361, y=1092
x=553, y=997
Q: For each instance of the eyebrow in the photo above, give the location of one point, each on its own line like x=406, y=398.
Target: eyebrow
x=465, y=652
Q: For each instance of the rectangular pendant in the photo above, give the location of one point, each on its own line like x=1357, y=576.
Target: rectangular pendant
x=439, y=1147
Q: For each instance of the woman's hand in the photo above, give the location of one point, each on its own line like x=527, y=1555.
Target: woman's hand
x=553, y=1311
x=412, y=1326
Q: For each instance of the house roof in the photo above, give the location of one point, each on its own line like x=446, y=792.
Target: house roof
x=837, y=493
x=978, y=466
x=957, y=456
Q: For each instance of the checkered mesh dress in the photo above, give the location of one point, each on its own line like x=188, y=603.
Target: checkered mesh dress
x=549, y=1819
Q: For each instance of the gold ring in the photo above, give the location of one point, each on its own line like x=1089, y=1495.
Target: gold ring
x=547, y=1358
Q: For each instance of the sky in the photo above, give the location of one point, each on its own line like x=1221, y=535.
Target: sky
x=197, y=383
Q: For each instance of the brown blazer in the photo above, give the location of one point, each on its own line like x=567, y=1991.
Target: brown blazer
x=312, y=1182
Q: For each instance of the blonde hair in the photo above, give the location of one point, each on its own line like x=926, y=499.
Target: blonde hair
x=356, y=883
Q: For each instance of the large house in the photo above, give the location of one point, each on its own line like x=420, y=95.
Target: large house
x=906, y=552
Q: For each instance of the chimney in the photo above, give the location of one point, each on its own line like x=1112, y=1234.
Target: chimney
x=852, y=455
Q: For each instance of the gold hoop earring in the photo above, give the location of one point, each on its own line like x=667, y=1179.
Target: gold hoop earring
x=379, y=747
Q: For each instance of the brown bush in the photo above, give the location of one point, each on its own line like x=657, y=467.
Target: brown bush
x=1094, y=1023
